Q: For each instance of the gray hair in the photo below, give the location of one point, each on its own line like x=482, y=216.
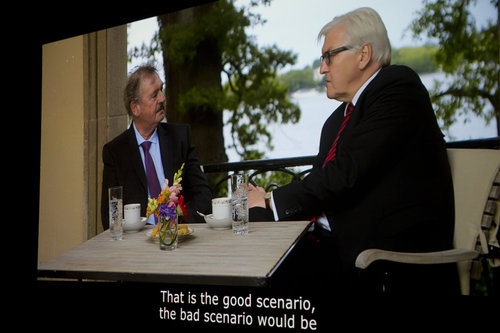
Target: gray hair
x=133, y=87
x=364, y=26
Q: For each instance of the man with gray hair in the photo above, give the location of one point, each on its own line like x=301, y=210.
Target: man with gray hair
x=381, y=178
x=150, y=151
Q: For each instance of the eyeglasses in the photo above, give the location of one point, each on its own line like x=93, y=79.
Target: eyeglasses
x=328, y=54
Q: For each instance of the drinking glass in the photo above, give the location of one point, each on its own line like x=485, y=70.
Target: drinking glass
x=115, y=212
x=239, y=203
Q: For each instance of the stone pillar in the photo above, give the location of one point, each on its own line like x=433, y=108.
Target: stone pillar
x=106, y=116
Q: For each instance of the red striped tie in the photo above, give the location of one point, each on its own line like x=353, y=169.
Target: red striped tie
x=333, y=150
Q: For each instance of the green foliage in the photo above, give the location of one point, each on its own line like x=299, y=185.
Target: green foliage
x=201, y=100
x=253, y=92
x=467, y=54
x=300, y=79
x=421, y=59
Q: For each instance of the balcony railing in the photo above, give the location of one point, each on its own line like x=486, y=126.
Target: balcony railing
x=286, y=165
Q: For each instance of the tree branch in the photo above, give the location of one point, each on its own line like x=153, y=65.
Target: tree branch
x=468, y=93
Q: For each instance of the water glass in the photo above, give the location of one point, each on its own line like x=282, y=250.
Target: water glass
x=115, y=212
x=239, y=203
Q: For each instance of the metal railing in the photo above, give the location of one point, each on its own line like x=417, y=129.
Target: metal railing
x=262, y=166
x=285, y=165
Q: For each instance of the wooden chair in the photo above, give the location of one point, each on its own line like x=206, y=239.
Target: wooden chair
x=476, y=181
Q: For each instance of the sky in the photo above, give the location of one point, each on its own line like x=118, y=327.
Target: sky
x=294, y=24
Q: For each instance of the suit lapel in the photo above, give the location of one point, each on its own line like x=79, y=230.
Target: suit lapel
x=166, y=150
x=329, y=133
x=136, y=158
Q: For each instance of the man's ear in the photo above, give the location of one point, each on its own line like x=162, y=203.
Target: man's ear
x=135, y=108
x=365, y=56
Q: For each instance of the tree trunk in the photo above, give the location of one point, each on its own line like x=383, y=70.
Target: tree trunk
x=202, y=73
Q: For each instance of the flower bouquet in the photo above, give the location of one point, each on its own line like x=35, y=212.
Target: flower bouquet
x=167, y=208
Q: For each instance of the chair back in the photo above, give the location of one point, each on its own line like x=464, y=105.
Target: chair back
x=476, y=181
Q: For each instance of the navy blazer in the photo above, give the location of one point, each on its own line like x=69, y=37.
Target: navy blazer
x=390, y=184
x=123, y=166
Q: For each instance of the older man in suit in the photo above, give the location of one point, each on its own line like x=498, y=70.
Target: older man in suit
x=381, y=178
x=150, y=151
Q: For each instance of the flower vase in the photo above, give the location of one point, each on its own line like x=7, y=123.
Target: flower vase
x=168, y=233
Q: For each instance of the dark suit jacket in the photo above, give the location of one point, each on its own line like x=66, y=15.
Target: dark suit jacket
x=390, y=184
x=123, y=166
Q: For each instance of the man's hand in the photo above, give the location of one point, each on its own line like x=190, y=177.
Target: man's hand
x=256, y=196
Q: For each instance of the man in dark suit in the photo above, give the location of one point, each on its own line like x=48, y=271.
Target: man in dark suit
x=169, y=146
x=381, y=178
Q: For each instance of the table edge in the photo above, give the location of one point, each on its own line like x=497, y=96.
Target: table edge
x=223, y=280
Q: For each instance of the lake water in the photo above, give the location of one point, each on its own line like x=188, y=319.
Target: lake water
x=302, y=139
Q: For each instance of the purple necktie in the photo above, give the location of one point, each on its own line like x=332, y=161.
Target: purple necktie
x=153, y=183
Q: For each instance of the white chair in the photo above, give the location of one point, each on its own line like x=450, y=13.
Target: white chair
x=476, y=181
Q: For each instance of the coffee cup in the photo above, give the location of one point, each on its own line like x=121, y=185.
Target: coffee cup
x=221, y=208
x=132, y=213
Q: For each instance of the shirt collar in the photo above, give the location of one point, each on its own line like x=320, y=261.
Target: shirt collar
x=362, y=88
x=140, y=139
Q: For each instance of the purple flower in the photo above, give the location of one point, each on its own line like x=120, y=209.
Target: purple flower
x=168, y=211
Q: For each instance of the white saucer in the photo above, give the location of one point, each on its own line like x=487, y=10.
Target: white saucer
x=135, y=226
x=221, y=224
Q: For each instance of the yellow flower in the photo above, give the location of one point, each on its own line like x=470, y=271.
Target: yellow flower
x=161, y=199
x=178, y=177
x=152, y=207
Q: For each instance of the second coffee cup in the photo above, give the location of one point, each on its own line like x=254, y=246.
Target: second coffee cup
x=221, y=208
